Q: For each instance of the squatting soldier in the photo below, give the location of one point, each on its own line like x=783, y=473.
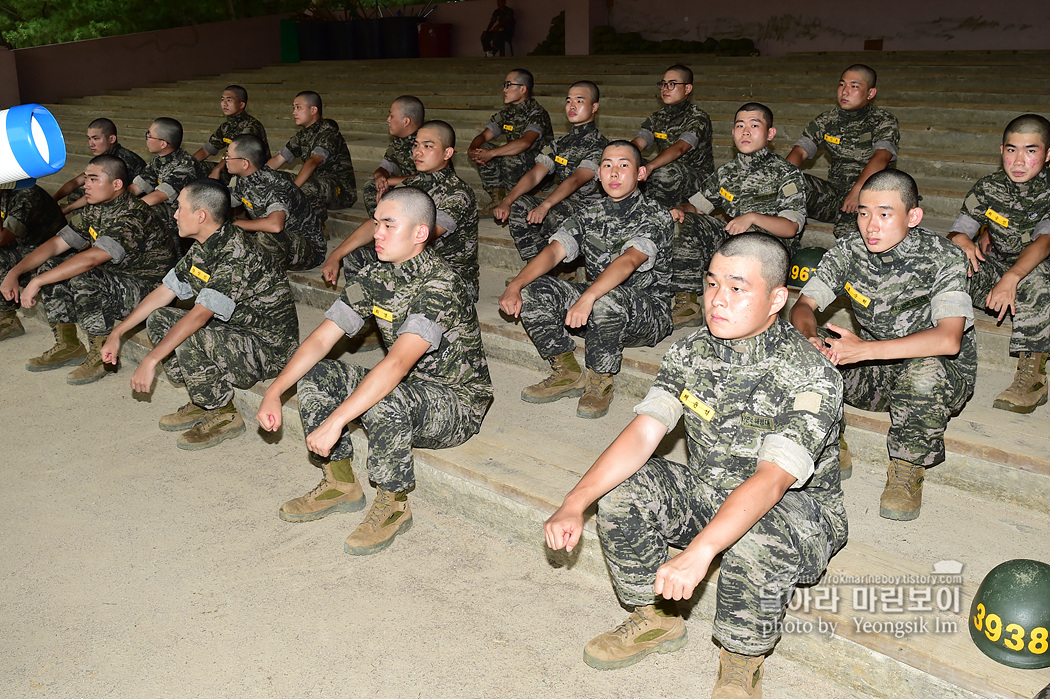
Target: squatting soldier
x=327, y=175
x=275, y=209
x=916, y=355
x=233, y=102
x=102, y=140
x=861, y=139
x=125, y=249
x=1009, y=271
x=527, y=127
x=455, y=235
x=431, y=389
x=761, y=482
x=625, y=241
x=572, y=159
x=171, y=169
x=233, y=281
x=406, y=116
x=760, y=190
x=28, y=217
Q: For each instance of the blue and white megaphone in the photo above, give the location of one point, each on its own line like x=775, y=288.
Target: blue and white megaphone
x=31, y=146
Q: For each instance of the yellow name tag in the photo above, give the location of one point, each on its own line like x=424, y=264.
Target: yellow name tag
x=832, y=139
x=857, y=296
x=226, y=140
x=997, y=218
x=382, y=315
x=726, y=194
x=659, y=135
x=508, y=127
x=2, y=215
x=200, y=273
x=92, y=233
x=247, y=203
x=560, y=160
x=696, y=405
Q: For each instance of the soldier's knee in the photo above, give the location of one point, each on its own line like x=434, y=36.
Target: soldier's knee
x=924, y=377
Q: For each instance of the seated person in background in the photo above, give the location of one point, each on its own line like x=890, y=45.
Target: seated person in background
x=170, y=170
x=102, y=139
x=499, y=29
x=406, y=116
x=233, y=103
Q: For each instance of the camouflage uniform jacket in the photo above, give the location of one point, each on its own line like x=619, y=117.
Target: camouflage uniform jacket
x=323, y=138
x=136, y=165
x=169, y=174
x=682, y=122
x=902, y=290
x=422, y=296
x=398, y=157
x=1015, y=213
x=265, y=191
x=767, y=398
x=581, y=147
x=515, y=120
x=131, y=231
x=604, y=230
x=457, y=213
x=230, y=276
x=31, y=215
x=851, y=138
x=232, y=127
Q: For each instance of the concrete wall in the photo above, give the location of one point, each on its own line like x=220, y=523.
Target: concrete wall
x=532, y=22
x=9, y=95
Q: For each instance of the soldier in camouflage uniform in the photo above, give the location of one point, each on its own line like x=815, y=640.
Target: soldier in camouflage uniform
x=528, y=129
x=28, y=217
x=861, y=139
x=625, y=241
x=431, y=390
x=916, y=353
x=233, y=102
x=455, y=236
x=171, y=169
x=573, y=160
x=327, y=175
x=276, y=211
x=102, y=140
x=124, y=252
x=406, y=116
x=233, y=281
x=761, y=483
x=758, y=189
x=1009, y=267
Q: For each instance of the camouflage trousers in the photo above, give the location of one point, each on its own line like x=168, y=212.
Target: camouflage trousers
x=415, y=414
x=504, y=171
x=623, y=317
x=667, y=504
x=920, y=396
x=824, y=202
x=695, y=242
x=10, y=256
x=357, y=259
x=325, y=191
x=371, y=195
x=97, y=299
x=531, y=238
x=215, y=358
x=290, y=250
x=672, y=184
x=1031, y=321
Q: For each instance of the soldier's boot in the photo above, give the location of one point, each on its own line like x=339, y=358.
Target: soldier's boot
x=845, y=458
x=66, y=350
x=10, y=325
x=182, y=419
x=1028, y=391
x=216, y=426
x=649, y=629
x=566, y=381
x=597, y=395
x=92, y=368
x=686, y=311
x=902, y=497
x=390, y=515
x=739, y=676
x=338, y=491
x=496, y=195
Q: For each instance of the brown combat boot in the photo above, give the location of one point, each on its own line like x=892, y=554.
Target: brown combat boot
x=845, y=458
x=566, y=381
x=390, y=515
x=902, y=498
x=338, y=491
x=648, y=629
x=10, y=326
x=739, y=676
x=92, y=368
x=1028, y=391
x=496, y=196
x=66, y=350
x=182, y=419
x=597, y=395
x=216, y=426
x=686, y=311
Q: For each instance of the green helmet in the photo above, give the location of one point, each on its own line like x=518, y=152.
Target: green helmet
x=1010, y=614
x=803, y=265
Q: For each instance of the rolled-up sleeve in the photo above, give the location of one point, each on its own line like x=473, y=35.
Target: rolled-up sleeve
x=807, y=144
x=348, y=320
x=178, y=287
x=111, y=247
x=210, y=149
x=647, y=136
x=789, y=456
x=323, y=152
x=288, y=156
x=418, y=324
x=689, y=137
x=952, y=304
x=820, y=292
x=446, y=221
x=644, y=245
x=144, y=186
x=661, y=406
x=568, y=241
x=217, y=302
x=73, y=239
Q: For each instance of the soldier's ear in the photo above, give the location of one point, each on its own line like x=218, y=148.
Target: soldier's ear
x=642, y=172
x=771, y=133
x=449, y=152
x=915, y=217
x=422, y=234
x=871, y=93
x=111, y=139
x=688, y=88
x=779, y=300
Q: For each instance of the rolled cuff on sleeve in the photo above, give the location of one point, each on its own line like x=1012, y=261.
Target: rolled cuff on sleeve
x=73, y=239
x=287, y=155
x=536, y=128
x=952, y=304
x=323, y=152
x=572, y=249
x=799, y=219
x=427, y=329
x=645, y=245
x=1041, y=228
x=647, y=136
x=789, y=456
x=885, y=145
x=494, y=128
x=177, y=286
x=274, y=207
x=545, y=160
x=586, y=163
x=348, y=320
x=446, y=221
x=142, y=184
x=390, y=166
x=209, y=148
x=218, y=303
x=820, y=292
x=701, y=203
x=965, y=224
x=168, y=191
x=661, y=406
x=111, y=247
x=15, y=226
x=690, y=138
x=807, y=144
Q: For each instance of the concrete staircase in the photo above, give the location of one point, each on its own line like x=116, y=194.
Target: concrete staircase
x=985, y=504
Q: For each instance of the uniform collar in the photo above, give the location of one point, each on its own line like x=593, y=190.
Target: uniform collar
x=579, y=129
x=861, y=113
x=749, y=160
x=617, y=208
x=218, y=238
x=753, y=349
x=902, y=251
x=238, y=118
x=679, y=108
x=414, y=265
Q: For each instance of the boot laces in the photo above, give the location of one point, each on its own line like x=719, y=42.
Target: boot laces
x=737, y=670
x=1025, y=375
x=380, y=509
x=594, y=383
x=631, y=625
x=899, y=478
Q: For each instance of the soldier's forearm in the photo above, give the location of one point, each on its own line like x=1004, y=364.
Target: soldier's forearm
x=158, y=298
x=1030, y=257
x=194, y=320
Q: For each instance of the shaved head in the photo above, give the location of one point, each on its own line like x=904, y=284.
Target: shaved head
x=415, y=204
x=771, y=255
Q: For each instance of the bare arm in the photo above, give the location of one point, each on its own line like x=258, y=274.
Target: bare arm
x=615, y=274
x=155, y=197
x=673, y=152
x=563, y=191
x=194, y=320
x=526, y=184
x=879, y=160
x=73, y=206
x=158, y=298
x=362, y=235
x=548, y=259
x=474, y=149
x=518, y=145
x=307, y=169
x=944, y=339
x=66, y=189
x=776, y=225
x=78, y=264
x=271, y=223
x=276, y=162
x=1003, y=296
x=200, y=155
x=797, y=156
x=51, y=247
x=6, y=237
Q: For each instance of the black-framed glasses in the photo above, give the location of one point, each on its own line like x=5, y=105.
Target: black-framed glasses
x=669, y=84
x=150, y=136
x=510, y=84
x=227, y=158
